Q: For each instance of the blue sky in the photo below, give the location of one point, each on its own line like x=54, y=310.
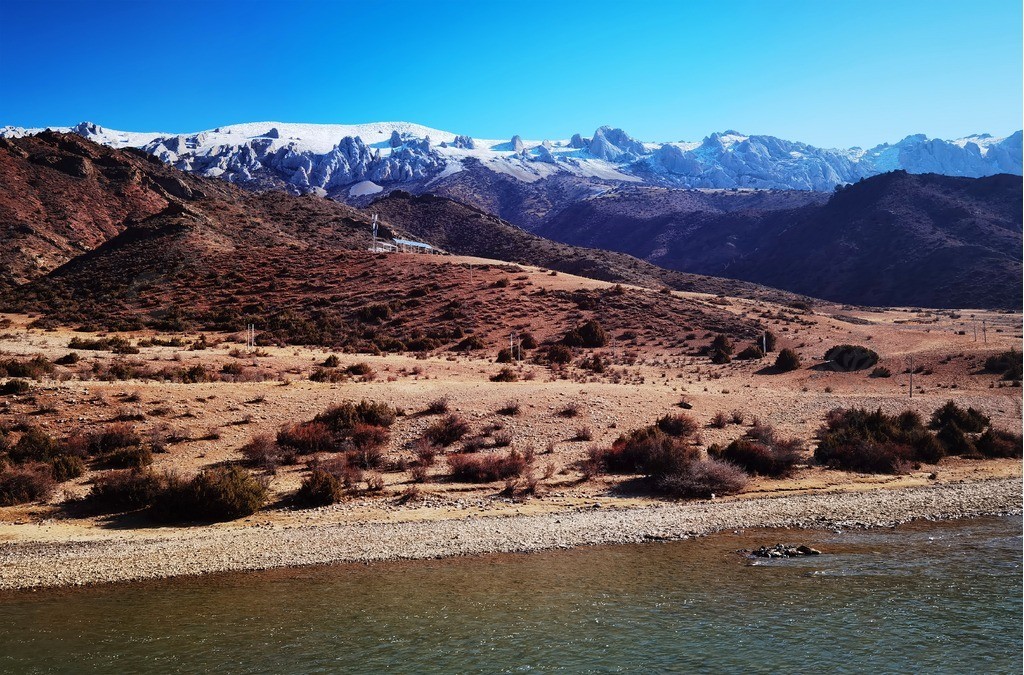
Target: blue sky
x=828, y=73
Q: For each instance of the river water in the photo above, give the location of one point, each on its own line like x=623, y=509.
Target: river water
x=921, y=598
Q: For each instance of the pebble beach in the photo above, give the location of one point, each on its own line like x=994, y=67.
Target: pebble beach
x=118, y=557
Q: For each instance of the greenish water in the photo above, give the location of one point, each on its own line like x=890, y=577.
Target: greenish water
x=923, y=598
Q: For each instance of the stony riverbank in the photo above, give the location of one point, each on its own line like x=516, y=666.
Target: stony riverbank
x=118, y=557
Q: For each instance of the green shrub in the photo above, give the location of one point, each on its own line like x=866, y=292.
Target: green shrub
x=950, y=413
x=999, y=443
x=1007, y=364
x=589, y=334
x=559, y=354
x=35, y=445
x=751, y=352
x=762, y=459
x=130, y=457
x=341, y=419
x=66, y=467
x=648, y=450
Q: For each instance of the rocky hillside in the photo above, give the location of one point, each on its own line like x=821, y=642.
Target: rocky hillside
x=893, y=239
x=186, y=252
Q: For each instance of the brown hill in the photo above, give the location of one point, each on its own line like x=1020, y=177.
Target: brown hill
x=190, y=252
x=467, y=230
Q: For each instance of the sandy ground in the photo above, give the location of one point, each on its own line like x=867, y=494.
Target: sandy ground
x=641, y=384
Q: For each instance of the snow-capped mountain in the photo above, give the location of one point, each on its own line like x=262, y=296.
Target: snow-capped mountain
x=354, y=161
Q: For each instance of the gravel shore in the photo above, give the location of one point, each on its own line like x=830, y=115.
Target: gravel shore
x=74, y=562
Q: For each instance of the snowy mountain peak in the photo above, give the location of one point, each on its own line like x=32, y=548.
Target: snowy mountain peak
x=337, y=157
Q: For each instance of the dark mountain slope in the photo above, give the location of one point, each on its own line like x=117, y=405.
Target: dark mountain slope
x=894, y=239
x=901, y=239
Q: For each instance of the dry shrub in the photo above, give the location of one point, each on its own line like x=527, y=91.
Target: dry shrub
x=447, y=430
x=506, y=374
x=117, y=491
x=486, y=468
x=702, y=479
x=999, y=443
x=425, y=451
x=221, y=493
x=114, y=437
x=762, y=459
x=678, y=425
x=368, y=443
x=720, y=420
x=320, y=488
x=26, y=483
x=263, y=452
x=439, y=406
x=510, y=409
x=583, y=433
x=307, y=437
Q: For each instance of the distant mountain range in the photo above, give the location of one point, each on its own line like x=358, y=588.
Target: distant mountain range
x=892, y=239
x=355, y=162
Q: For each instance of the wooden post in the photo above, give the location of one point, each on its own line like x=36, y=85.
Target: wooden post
x=911, y=377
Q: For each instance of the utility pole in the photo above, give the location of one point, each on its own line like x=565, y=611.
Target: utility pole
x=375, y=233
x=984, y=330
x=911, y=377
x=764, y=342
x=975, y=322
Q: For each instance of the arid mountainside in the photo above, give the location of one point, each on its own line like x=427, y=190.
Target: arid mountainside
x=466, y=230
x=893, y=239
x=201, y=253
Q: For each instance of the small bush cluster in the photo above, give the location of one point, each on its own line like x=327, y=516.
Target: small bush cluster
x=589, y=334
x=118, y=345
x=873, y=442
x=221, y=493
x=1007, y=364
x=487, y=467
x=764, y=455
x=33, y=368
